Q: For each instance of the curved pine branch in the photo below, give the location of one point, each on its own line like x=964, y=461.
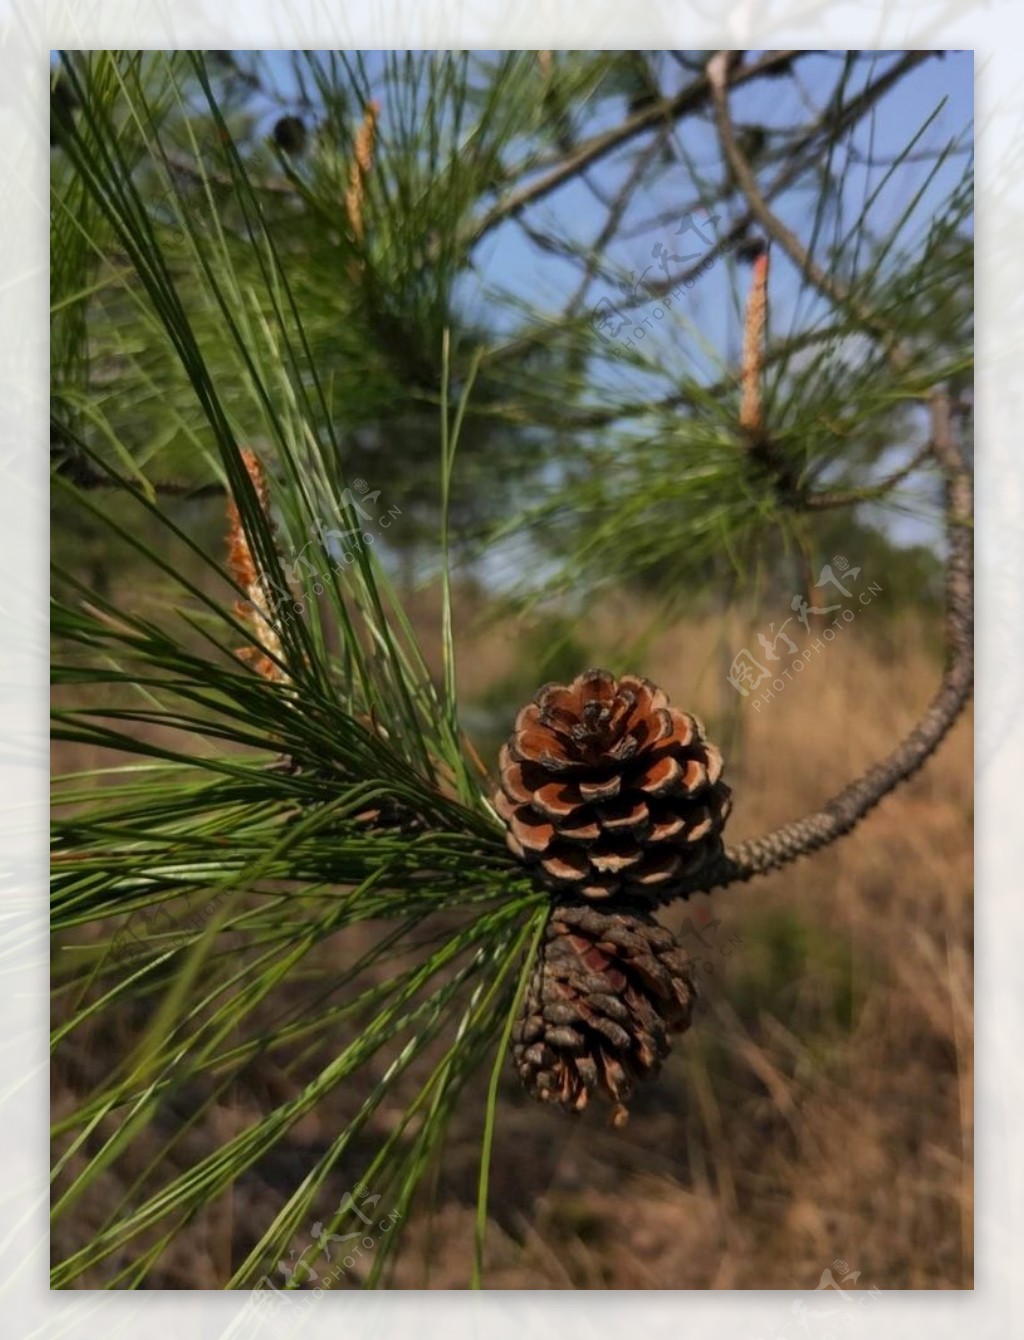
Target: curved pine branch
x=845, y=810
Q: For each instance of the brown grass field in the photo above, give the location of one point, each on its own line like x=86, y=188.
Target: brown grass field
x=820, y=1108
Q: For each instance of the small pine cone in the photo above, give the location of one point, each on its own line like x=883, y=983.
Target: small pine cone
x=608, y=791
x=608, y=988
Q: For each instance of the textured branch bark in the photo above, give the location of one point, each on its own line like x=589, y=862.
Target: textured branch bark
x=844, y=811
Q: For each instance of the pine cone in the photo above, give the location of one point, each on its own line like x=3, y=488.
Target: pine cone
x=609, y=791
x=608, y=989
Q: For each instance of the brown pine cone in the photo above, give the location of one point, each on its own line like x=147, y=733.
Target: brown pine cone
x=607, y=790
x=607, y=990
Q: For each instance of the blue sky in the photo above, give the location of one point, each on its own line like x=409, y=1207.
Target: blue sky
x=702, y=333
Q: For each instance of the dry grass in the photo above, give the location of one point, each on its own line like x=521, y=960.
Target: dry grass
x=821, y=1106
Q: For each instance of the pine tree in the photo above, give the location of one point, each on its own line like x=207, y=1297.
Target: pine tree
x=273, y=390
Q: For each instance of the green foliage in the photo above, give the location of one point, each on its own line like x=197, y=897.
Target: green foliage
x=665, y=490
x=287, y=857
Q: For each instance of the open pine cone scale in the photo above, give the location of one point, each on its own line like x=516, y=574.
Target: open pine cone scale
x=606, y=789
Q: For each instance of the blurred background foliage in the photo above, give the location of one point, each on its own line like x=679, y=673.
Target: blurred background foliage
x=610, y=462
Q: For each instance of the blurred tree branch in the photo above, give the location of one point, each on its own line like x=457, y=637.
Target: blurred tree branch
x=686, y=101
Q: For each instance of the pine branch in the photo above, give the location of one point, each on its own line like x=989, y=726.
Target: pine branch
x=688, y=100
x=845, y=810
x=870, y=492
x=837, y=292
x=796, y=159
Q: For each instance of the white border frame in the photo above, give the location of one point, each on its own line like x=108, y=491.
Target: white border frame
x=27, y=32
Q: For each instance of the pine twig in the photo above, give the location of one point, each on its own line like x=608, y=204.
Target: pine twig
x=870, y=492
x=687, y=100
x=837, y=292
